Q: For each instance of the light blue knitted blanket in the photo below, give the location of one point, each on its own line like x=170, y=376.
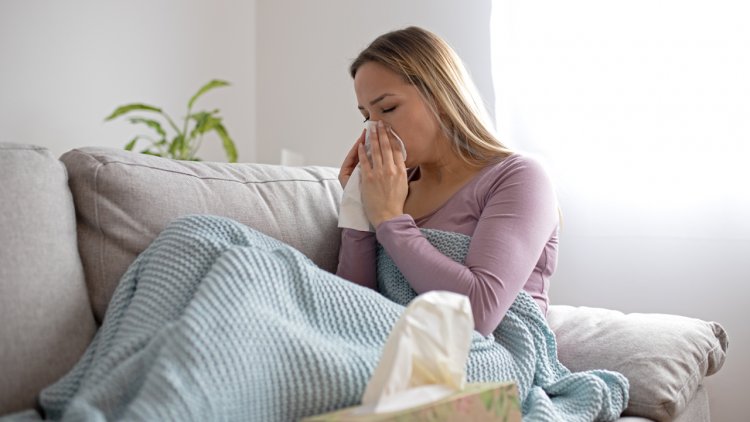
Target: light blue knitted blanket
x=216, y=321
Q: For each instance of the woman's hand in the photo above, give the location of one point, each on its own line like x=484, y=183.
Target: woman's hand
x=383, y=183
x=351, y=161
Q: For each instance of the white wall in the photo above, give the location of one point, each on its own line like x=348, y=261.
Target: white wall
x=306, y=99
x=64, y=66
x=640, y=110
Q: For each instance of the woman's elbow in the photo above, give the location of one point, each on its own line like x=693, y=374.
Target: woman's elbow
x=487, y=307
x=487, y=315
x=485, y=326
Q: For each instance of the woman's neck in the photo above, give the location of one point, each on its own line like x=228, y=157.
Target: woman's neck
x=450, y=170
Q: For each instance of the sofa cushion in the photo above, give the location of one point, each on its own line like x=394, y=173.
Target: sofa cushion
x=46, y=317
x=665, y=357
x=124, y=200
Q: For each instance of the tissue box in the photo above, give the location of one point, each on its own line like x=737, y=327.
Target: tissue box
x=477, y=402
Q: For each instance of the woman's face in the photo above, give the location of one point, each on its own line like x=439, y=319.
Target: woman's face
x=384, y=95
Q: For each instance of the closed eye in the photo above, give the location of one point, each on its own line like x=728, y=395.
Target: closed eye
x=387, y=110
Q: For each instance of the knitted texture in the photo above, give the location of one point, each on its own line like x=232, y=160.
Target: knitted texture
x=216, y=321
x=522, y=349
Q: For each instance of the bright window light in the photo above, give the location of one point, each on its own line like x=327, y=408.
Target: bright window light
x=640, y=110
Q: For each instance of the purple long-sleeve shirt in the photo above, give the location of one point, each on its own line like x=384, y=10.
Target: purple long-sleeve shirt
x=510, y=211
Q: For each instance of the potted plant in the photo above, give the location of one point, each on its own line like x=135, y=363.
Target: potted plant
x=184, y=143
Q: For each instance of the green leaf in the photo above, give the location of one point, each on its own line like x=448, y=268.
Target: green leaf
x=149, y=152
x=131, y=144
x=119, y=111
x=204, y=122
x=207, y=87
x=175, y=146
x=151, y=123
x=228, y=143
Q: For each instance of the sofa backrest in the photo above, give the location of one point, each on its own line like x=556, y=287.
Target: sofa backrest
x=124, y=200
x=46, y=319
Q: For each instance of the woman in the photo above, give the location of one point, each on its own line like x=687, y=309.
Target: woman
x=460, y=178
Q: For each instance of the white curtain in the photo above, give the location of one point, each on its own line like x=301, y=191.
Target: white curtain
x=639, y=109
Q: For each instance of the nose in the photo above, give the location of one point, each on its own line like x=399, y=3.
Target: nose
x=376, y=116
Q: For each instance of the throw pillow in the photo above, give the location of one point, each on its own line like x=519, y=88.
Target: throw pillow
x=665, y=357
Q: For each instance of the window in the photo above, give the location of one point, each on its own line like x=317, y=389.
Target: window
x=639, y=109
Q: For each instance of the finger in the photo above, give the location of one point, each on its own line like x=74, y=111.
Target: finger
x=363, y=161
x=375, y=154
x=398, y=154
x=385, y=143
x=398, y=149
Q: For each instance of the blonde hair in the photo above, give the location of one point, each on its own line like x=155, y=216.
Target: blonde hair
x=431, y=65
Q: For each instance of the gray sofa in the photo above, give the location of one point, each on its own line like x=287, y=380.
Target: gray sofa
x=71, y=226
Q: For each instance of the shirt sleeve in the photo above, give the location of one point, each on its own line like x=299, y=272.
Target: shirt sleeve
x=517, y=220
x=358, y=258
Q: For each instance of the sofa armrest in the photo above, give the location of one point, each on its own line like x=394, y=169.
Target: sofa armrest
x=45, y=317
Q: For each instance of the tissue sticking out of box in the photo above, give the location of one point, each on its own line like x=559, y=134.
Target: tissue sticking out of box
x=424, y=358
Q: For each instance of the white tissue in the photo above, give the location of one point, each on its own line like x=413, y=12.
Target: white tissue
x=425, y=356
x=351, y=212
x=370, y=128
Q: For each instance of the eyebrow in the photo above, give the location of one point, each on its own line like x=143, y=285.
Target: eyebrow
x=373, y=102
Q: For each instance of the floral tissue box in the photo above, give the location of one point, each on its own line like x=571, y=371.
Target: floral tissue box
x=485, y=402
